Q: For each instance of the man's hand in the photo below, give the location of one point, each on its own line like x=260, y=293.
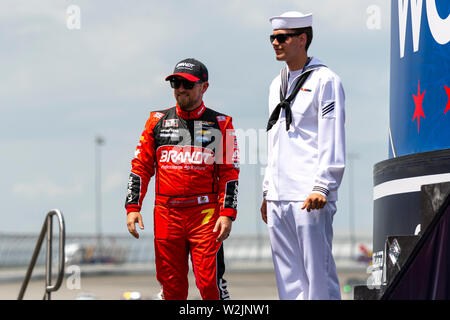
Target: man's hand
x=132, y=218
x=264, y=210
x=314, y=201
x=223, y=225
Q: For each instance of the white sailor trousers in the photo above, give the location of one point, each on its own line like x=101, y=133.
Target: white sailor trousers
x=301, y=244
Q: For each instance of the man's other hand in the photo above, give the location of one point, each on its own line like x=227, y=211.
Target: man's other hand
x=223, y=225
x=132, y=219
x=264, y=210
x=314, y=201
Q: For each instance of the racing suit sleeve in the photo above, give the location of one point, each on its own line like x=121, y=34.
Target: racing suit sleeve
x=331, y=137
x=142, y=167
x=228, y=171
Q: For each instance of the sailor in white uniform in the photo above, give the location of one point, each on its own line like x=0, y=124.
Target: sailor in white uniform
x=306, y=161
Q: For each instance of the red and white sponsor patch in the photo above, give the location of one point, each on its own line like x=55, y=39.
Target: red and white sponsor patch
x=158, y=115
x=185, y=155
x=170, y=123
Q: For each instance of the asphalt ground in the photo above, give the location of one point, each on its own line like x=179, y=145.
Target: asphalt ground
x=242, y=285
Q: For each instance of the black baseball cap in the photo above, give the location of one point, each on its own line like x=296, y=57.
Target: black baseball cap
x=190, y=69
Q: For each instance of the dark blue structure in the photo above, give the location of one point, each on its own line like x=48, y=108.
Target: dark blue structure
x=420, y=76
x=419, y=135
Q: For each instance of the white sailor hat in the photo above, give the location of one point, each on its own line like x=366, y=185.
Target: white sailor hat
x=291, y=20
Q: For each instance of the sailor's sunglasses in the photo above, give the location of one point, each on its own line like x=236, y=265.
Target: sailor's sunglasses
x=282, y=37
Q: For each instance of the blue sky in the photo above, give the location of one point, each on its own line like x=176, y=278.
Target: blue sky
x=61, y=87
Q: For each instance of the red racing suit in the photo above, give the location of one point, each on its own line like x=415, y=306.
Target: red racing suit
x=196, y=161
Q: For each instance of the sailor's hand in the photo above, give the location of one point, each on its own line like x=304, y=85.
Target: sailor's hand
x=132, y=219
x=314, y=201
x=223, y=225
x=264, y=210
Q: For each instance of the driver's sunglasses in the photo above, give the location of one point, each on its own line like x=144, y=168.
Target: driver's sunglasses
x=175, y=83
x=282, y=37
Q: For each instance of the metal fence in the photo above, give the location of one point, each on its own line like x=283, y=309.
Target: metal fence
x=16, y=249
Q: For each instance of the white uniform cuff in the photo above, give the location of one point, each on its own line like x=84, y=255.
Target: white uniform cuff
x=321, y=190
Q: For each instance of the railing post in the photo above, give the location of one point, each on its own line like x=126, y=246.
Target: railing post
x=62, y=238
x=48, y=228
x=48, y=258
x=33, y=261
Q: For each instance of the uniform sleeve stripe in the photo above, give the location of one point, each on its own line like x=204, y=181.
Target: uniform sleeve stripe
x=331, y=106
x=324, y=113
x=321, y=189
x=328, y=107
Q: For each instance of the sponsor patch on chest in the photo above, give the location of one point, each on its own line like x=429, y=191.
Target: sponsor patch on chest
x=186, y=155
x=170, y=123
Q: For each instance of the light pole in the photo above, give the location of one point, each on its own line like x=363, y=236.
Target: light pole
x=351, y=212
x=99, y=141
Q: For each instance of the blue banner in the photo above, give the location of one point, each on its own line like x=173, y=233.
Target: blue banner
x=420, y=76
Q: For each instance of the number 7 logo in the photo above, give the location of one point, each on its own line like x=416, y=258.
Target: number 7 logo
x=209, y=213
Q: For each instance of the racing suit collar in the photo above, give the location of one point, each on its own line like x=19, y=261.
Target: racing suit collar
x=194, y=114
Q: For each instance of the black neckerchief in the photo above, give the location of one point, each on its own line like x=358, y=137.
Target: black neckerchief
x=285, y=103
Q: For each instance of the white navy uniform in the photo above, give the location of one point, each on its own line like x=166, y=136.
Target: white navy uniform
x=309, y=157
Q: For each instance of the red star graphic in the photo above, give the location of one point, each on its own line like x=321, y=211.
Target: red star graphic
x=418, y=112
x=448, y=103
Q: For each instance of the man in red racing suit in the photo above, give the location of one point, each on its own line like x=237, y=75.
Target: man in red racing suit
x=193, y=152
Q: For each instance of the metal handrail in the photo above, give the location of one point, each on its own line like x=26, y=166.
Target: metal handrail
x=47, y=228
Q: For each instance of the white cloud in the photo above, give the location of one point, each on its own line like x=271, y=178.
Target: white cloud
x=115, y=180
x=105, y=76
x=45, y=187
x=24, y=9
x=343, y=15
x=118, y=52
